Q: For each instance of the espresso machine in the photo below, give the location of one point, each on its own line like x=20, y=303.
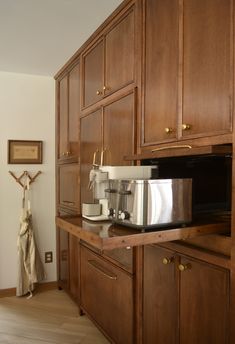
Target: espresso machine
x=100, y=182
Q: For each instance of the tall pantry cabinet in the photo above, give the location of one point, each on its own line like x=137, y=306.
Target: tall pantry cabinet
x=157, y=78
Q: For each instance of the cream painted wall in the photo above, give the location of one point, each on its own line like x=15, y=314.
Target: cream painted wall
x=26, y=113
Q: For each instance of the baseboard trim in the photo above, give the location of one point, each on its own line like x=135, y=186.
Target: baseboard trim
x=39, y=288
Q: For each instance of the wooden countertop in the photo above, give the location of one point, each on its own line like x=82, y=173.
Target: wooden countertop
x=107, y=236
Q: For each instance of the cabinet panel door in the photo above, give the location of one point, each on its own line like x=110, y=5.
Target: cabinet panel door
x=93, y=66
x=74, y=266
x=74, y=109
x=106, y=294
x=63, y=117
x=159, y=297
x=119, y=130
x=204, y=304
x=91, y=141
x=161, y=70
x=119, y=54
x=63, y=270
x=207, y=66
x=69, y=186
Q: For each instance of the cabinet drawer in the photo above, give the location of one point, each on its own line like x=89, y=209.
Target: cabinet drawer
x=68, y=178
x=121, y=256
x=107, y=296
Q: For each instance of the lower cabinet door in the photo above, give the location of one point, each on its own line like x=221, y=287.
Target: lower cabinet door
x=107, y=296
x=63, y=258
x=74, y=267
x=159, y=296
x=204, y=303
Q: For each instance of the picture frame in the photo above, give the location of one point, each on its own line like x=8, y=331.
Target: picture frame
x=24, y=152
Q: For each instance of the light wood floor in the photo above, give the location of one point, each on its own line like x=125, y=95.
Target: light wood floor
x=48, y=317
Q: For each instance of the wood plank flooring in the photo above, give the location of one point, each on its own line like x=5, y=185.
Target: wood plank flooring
x=47, y=318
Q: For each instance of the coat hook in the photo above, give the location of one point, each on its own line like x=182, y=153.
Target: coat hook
x=19, y=179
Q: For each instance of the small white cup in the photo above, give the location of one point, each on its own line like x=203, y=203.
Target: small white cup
x=91, y=209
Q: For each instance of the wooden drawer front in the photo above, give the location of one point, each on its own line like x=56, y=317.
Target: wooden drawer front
x=122, y=256
x=69, y=186
x=107, y=296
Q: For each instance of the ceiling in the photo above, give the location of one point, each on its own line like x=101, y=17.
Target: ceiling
x=39, y=36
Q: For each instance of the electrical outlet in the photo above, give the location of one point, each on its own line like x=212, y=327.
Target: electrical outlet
x=48, y=257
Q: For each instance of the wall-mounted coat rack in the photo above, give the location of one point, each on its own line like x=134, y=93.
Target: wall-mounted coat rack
x=23, y=175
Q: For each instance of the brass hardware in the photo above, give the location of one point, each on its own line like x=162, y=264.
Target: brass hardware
x=183, y=267
x=94, y=158
x=168, y=130
x=102, y=157
x=67, y=153
x=63, y=153
x=101, y=269
x=72, y=203
x=171, y=147
x=167, y=260
x=98, y=92
x=186, y=126
x=106, y=88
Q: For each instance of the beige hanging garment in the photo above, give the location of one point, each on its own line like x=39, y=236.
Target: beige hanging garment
x=30, y=268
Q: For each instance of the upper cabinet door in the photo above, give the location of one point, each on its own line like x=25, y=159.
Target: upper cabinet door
x=119, y=130
x=207, y=71
x=108, y=65
x=74, y=110
x=160, y=96
x=93, y=82
x=91, y=142
x=63, y=117
x=68, y=115
x=119, y=54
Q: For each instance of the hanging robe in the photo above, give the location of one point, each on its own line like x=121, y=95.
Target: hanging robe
x=30, y=268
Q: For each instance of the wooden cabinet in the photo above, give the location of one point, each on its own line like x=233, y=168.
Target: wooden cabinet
x=91, y=143
x=68, y=115
x=109, y=64
x=107, y=296
x=188, y=69
x=63, y=258
x=207, y=71
x=197, y=291
x=160, y=106
x=69, y=186
x=69, y=263
x=110, y=129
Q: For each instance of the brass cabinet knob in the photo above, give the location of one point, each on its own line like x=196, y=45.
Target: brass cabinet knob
x=67, y=153
x=186, y=126
x=63, y=153
x=98, y=92
x=168, y=130
x=167, y=260
x=183, y=267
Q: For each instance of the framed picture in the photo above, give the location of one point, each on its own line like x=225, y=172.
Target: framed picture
x=24, y=152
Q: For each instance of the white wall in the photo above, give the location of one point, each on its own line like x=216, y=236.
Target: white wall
x=26, y=113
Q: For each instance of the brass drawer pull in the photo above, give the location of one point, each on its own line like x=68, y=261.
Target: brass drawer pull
x=167, y=260
x=102, y=270
x=98, y=92
x=186, y=126
x=69, y=202
x=168, y=130
x=171, y=147
x=183, y=267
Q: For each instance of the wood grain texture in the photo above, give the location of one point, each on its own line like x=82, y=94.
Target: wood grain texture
x=119, y=130
x=206, y=289
x=161, y=70
x=93, y=74
x=48, y=317
x=119, y=54
x=107, y=296
x=74, y=110
x=121, y=236
x=63, y=117
x=69, y=186
x=207, y=66
x=159, y=297
x=90, y=141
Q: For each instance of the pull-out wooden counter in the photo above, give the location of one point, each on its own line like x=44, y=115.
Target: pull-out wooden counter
x=107, y=236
